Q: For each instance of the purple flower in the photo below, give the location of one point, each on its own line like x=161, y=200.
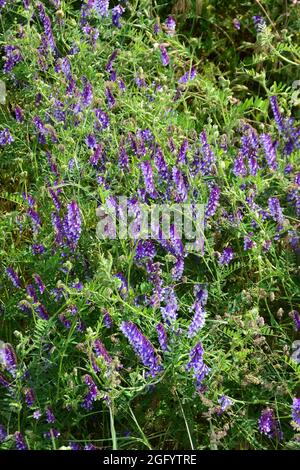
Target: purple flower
x=188, y=76
x=236, y=24
x=239, y=167
x=3, y=381
x=123, y=158
x=198, y=320
x=270, y=151
x=12, y=57
x=213, y=201
x=38, y=249
x=65, y=321
x=46, y=22
x=275, y=209
x=101, y=351
x=32, y=293
x=296, y=411
x=50, y=418
x=248, y=243
x=123, y=289
x=19, y=114
x=225, y=402
x=277, y=115
x=197, y=365
x=74, y=446
x=109, y=98
x=20, y=442
x=208, y=157
x=9, y=358
x=97, y=155
x=29, y=397
x=107, y=320
x=160, y=163
x=39, y=283
x=170, y=25
x=116, y=14
x=226, y=256
x=183, y=151
x=111, y=60
x=13, y=276
x=164, y=56
x=181, y=191
x=145, y=249
x=3, y=433
x=296, y=317
x=92, y=394
x=267, y=424
x=169, y=311
x=87, y=93
x=100, y=6
x=142, y=347
x=72, y=224
x=37, y=414
x=162, y=337
x=148, y=178
x=5, y=137
x=41, y=311
x=102, y=119
x=259, y=23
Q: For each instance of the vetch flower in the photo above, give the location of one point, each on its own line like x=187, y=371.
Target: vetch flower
x=198, y=320
x=169, y=311
x=164, y=56
x=213, y=201
x=188, y=76
x=29, y=397
x=92, y=394
x=268, y=425
x=142, y=347
x=226, y=256
x=225, y=402
x=20, y=442
x=3, y=433
x=50, y=418
x=148, y=178
x=296, y=317
x=162, y=337
x=197, y=366
x=116, y=14
x=170, y=25
x=270, y=151
x=9, y=358
x=296, y=411
x=72, y=224
x=5, y=137
x=13, y=276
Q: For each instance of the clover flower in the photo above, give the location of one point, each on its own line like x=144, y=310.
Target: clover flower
x=142, y=347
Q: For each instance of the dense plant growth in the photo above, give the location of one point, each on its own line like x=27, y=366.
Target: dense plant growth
x=128, y=343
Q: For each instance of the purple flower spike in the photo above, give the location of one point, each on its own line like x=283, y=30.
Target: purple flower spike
x=11, y=273
x=20, y=442
x=72, y=225
x=92, y=394
x=188, y=76
x=296, y=317
x=270, y=151
x=5, y=137
x=50, y=418
x=296, y=411
x=142, y=347
x=277, y=115
x=101, y=351
x=226, y=256
x=162, y=337
x=213, y=201
x=29, y=397
x=116, y=14
x=148, y=178
x=9, y=358
x=3, y=433
x=225, y=402
x=197, y=365
x=164, y=56
x=268, y=425
x=39, y=283
x=198, y=320
x=170, y=25
x=169, y=312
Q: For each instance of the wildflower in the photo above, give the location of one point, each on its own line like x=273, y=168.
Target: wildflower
x=181, y=191
x=188, y=76
x=275, y=209
x=9, y=358
x=72, y=224
x=39, y=282
x=270, y=151
x=198, y=320
x=107, y=320
x=169, y=312
x=296, y=411
x=148, y=178
x=296, y=317
x=46, y=22
x=156, y=28
x=123, y=158
x=37, y=414
x=142, y=347
x=92, y=394
x=116, y=14
x=248, y=243
x=208, y=157
x=41, y=311
x=111, y=60
x=226, y=256
x=29, y=397
x=101, y=351
x=164, y=56
x=12, y=57
x=90, y=447
x=19, y=114
x=183, y=151
x=123, y=289
x=100, y=6
x=110, y=98
x=267, y=424
x=277, y=115
x=145, y=249
x=3, y=381
x=87, y=93
x=197, y=365
x=91, y=141
x=239, y=168
x=5, y=137
x=170, y=25
x=3, y=433
x=74, y=446
x=102, y=119
x=50, y=418
x=259, y=23
x=225, y=402
x=20, y=442
x=51, y=434
x=37, y=248
x=97, y=155
x=162, y=337
x=236, y=24
x=160, y=163
x=65, y=321
x=13, y=276
x=213, y=201
x=32, y=293
x=55, y=199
